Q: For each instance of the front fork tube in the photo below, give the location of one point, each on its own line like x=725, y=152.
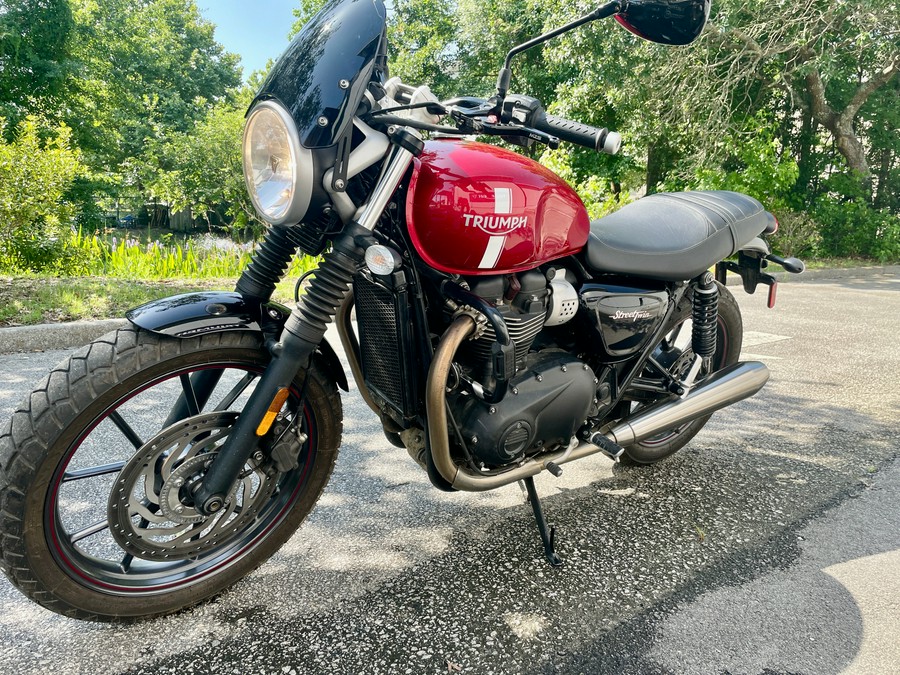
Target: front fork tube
x=303, y=332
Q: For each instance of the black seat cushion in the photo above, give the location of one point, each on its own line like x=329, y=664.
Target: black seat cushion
x=674, y=236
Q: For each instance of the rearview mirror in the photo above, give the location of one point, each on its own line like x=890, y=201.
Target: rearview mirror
x=668, y=22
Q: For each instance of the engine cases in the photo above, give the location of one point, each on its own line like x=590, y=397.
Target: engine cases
x=545, y=405
x=624, y=318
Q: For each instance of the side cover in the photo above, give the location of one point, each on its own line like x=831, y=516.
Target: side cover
x=477, y=209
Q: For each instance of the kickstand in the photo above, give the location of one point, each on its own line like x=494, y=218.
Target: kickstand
x=548, y=534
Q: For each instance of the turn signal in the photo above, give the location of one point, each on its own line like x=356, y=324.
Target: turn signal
x=272, y=412
x=382, y=260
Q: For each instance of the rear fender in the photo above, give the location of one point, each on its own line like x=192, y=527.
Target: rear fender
x=757, y=246
x=193, y=314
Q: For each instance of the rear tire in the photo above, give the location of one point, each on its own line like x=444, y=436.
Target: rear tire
x=729, y=337
x=88, y=521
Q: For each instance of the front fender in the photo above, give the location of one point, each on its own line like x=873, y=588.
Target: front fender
x=193, y=314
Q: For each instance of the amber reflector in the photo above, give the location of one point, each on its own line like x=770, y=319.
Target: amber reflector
x=272, y=413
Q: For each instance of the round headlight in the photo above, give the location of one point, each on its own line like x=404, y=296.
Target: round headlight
x=278, y=170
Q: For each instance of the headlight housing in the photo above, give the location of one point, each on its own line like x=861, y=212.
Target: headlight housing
x=277, y=168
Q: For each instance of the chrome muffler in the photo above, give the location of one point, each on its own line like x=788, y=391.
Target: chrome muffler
x=729, y=385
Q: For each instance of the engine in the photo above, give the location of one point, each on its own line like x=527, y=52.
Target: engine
x=547, y=401
x=552, y=392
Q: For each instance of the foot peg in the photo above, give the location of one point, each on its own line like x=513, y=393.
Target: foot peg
x=609, y=447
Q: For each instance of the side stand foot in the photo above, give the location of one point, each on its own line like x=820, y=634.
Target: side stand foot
x=548, y=534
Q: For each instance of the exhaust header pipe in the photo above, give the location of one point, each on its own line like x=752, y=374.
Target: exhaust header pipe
x=729, y=385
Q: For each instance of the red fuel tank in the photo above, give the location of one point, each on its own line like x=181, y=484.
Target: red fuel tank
x=477, y=209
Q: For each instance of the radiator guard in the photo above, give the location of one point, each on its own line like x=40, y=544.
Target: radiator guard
x=389, y=362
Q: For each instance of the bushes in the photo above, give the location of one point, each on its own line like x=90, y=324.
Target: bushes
x=853, y=229
x=37, y=169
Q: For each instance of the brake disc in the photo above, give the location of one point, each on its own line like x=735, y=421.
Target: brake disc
x=150, y=511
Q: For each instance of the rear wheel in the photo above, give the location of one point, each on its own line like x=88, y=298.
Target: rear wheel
x=96, y=469
x=675, y=352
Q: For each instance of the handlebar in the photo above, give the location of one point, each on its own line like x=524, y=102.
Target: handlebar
x=585, y=135
x=520, y=119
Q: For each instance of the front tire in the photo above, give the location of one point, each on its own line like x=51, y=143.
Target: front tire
x=729, y=337
x=92, y=522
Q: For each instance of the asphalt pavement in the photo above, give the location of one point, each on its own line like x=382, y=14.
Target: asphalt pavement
x=770, y=545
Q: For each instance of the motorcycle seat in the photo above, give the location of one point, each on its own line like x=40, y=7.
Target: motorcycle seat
x=674, y=236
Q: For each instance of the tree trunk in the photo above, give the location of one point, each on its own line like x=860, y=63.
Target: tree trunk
x=805, y=158
x=657, y=164
x=884, y=177
x=840, y=124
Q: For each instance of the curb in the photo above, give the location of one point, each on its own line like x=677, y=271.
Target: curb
x=48, y=336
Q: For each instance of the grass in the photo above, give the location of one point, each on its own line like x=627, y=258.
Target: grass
x=842, y=263
x=30, y=300
x=99, y=276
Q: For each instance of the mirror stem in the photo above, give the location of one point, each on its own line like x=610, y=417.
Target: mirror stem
x=601, y=12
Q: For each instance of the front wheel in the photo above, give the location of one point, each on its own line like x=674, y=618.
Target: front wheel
x=675, y=351
x=96, y=469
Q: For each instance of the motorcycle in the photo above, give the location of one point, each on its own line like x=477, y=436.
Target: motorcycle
x=499, y=332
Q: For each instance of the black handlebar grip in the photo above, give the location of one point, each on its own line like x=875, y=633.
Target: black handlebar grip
x=585, y=135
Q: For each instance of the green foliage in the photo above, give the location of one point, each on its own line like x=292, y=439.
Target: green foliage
x=144, y=70
x=35, y=175
x=754, y=165
x=201, y=169
x=423, y=32
x=795, y=104
x=205, y=258
x=853, y=228
x=34, y=56
x=302, y=14
x=798, y=235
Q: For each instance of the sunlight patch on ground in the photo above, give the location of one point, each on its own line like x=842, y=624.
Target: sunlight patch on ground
x=526, y=626
x=874, y=583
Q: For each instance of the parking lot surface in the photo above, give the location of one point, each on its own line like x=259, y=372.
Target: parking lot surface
x=770, y=544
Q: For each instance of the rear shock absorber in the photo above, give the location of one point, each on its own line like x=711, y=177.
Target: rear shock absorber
x=705, y=316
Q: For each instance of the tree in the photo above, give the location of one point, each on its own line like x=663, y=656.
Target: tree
x=307, y=10
x=35, y=176
x=143, y=69
x=34, y=56
x=828, y=59
x=201, y=168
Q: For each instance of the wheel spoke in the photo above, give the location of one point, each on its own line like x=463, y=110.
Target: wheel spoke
x=99, y=526
x=140, y=538
x=100, y=470
x=235, y=392
x=190, y=396
x=126, y=429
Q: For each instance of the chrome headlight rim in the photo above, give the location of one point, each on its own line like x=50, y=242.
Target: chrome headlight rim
x=302, y=167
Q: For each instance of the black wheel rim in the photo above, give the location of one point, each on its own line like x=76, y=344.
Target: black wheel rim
x=75, y=521
x=719, y=361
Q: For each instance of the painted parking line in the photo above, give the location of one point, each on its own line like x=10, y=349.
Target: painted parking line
x=753, y=338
